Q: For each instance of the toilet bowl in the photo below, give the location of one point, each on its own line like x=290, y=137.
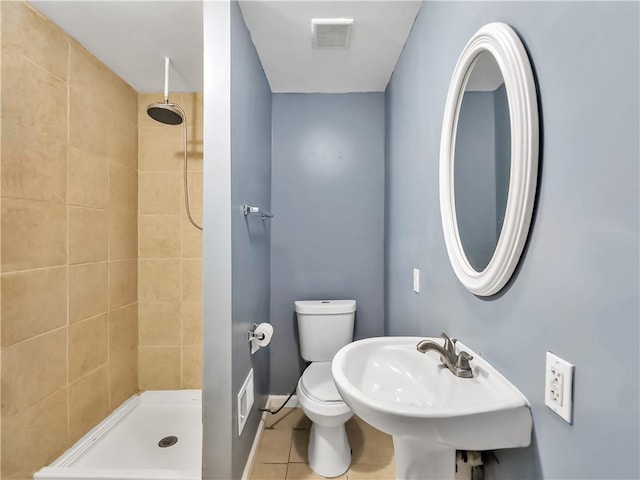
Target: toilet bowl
x=329, y=450
x=324, y=327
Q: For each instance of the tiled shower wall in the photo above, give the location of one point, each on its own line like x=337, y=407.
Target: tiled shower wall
x=69, y=313
x=169, y=248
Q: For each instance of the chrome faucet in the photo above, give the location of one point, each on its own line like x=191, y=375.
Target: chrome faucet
x=458, y=364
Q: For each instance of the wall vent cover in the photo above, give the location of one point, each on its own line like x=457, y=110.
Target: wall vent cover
x=331, y=32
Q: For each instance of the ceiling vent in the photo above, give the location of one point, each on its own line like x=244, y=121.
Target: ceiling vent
x=331, y=32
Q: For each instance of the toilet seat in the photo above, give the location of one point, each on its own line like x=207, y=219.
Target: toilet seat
x=317, y=383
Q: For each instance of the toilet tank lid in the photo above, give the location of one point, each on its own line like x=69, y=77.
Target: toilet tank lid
x=325, y=307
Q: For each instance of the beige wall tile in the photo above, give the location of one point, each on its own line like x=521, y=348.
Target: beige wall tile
x=123, y=377
x=124, y=104
x=88, y=235
x=195, y=149
x=87, y=123
x=159, y=236
x=32, y=98
x=123, y=144
x=94, y=79
x=123, y=283
x=88, y=290
x=191, y=323
x=32, y=370
x=26, y=32
x=88, y=179
x=123, y=189
x=87, y=73
x=123, y=354
x=34, y=437
x=33, y=302
x=34, y=234
x=159, y=193
x=159, y=280
x=65, y=141
x=123, y=235
x=88, y=346
x=196, y=156
x=144, y=99
x=191, y=243
x=33, y=165
x=123, y=329
x=160, y=323
x=161, y=148
x=88, y=402
x=192, y=367
x=160, y=368
x=195, y=195
x=192, y=104
x=191, y=280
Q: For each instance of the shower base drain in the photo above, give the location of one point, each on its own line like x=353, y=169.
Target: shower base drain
x=168, y=441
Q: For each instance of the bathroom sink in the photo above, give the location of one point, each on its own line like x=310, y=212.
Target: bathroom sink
x=430, y=412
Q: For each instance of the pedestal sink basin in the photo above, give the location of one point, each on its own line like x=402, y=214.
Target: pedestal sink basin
x=430, y=412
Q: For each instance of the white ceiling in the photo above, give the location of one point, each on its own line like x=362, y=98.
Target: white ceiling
x=132, y=37
x=281, y=32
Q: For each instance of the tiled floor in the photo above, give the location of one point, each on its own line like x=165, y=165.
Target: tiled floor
x=283, y=450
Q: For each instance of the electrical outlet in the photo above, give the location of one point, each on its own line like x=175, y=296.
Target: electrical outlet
x=558, y=394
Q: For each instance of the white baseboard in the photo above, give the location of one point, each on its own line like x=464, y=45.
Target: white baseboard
x=248, y=468
x=273, y=402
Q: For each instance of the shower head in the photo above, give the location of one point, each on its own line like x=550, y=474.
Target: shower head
x=165, y=112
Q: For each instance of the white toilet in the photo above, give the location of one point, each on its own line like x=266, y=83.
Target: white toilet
x=324, y=326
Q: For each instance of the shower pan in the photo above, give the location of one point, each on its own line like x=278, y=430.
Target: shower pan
x=155, y=435
x=173, y=114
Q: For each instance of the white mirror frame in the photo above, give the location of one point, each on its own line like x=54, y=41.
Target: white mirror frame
x=503, y=43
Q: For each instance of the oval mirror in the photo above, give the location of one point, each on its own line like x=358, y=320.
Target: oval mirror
x=489, y=159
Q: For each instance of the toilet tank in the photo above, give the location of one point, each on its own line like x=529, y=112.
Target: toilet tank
x=324, y=327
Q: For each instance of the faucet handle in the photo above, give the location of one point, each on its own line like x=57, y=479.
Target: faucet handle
x=449, y=344
x=463, y=360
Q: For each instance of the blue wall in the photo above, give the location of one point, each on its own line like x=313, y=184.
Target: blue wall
x=328, y=201
x=576, y=291
x=251, y=184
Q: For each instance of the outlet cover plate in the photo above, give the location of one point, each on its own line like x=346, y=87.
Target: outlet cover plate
x=558, y=393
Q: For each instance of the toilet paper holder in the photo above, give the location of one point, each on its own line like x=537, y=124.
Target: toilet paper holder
x=253, y=335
